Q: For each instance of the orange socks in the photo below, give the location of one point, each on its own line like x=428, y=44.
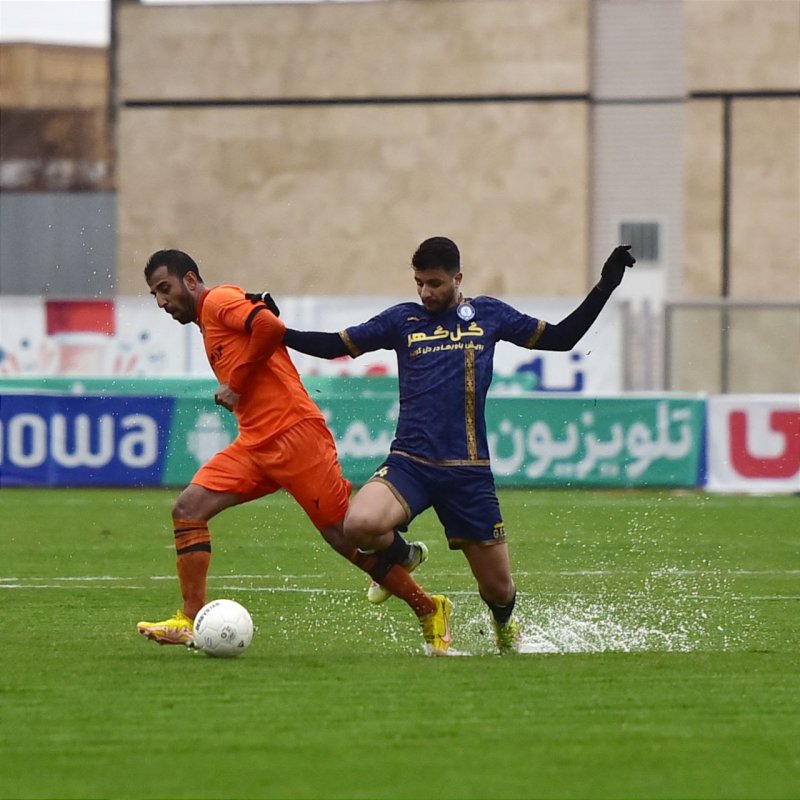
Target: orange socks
x=397, y=580
x=400, y=583
x=193, y=547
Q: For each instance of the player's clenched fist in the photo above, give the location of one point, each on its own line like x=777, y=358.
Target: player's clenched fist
x=226, y=397
x=613, y=269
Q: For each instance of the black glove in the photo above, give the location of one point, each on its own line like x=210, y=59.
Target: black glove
x=266, y=299
x=613, y=269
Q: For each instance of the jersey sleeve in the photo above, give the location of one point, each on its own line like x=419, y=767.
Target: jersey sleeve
x=233, y=310
x=518, y=328
x=378, y=333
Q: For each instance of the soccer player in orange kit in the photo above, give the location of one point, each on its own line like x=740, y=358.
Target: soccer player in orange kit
x=283, y=442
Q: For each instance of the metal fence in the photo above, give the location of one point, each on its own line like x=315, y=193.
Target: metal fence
x=58, y=244
x=732, y=346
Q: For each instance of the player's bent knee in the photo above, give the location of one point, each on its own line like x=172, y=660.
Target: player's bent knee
x=183, y=508
x=500, y=589
x=361, y=530
x=334, y=536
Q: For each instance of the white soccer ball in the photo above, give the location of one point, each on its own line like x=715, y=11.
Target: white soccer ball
x=223, y=628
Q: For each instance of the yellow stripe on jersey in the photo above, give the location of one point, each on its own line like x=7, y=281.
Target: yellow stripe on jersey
x=536, y=335
x=349, y=344
x=469, y=403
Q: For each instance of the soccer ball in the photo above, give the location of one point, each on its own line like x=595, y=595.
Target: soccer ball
x=223, y=628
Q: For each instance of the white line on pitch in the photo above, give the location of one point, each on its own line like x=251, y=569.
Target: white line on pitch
x=263, y=577
x=774, y=597
x=658, y=573
x=4, y=584
x=310, y=590
x=61, y=586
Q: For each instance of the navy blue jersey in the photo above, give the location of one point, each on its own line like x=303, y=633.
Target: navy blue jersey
x=445, y=369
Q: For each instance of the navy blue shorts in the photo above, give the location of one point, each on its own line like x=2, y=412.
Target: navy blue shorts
x=464, y=498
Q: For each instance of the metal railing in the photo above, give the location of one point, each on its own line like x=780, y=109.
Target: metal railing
x=727, y=346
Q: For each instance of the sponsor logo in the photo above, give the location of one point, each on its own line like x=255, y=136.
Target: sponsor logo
x=82, y=441
x=782, y=437
x=207, y=437
x=215, y=354
x=28, y=440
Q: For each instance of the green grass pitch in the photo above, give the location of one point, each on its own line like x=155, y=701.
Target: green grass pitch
x=662, y=633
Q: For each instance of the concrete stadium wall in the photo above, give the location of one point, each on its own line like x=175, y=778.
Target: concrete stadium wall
x=304, y=189
x=53, y=76
x=308, y=148
x=739, y=45
x=334, y=199
x=343, y=148
x=743, y=47
x=54, y=133
x=396, y=48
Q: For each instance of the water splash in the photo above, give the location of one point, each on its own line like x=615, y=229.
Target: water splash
x=582, y=626
x=666, y=610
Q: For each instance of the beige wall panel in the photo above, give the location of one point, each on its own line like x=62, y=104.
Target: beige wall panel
x=693, y=368
x=702, y=272
x=333, y=200
x=742, y=44
x=53, y=76
x=765, y=208
x=401, y=47
x=754, y=366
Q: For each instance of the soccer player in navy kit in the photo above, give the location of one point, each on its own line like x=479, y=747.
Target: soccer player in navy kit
x=440, y=456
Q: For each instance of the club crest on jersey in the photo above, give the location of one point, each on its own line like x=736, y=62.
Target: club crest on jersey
x=465, y=311
x=215, y=355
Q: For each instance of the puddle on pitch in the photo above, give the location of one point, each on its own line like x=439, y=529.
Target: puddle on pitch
x=667, y=612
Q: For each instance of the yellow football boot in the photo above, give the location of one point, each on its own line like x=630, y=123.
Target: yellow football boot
x=508, y=636
x=175, y=630
x=436, y=627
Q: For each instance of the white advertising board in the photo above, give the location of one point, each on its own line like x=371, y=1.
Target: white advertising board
x=139, y=340
x=754, y=443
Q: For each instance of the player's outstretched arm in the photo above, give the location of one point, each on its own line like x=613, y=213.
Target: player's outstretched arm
x=567, y=333
x=316, y=343
x=312, y=343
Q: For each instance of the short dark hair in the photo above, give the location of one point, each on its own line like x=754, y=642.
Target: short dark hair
x=438, y=251
x=176, y=261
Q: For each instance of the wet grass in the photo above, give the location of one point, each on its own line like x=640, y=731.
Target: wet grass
x=661, y=644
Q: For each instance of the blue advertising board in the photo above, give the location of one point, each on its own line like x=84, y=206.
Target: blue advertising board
x=53, y=440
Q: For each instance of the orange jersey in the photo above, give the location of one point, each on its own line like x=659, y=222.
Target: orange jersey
x=272, y=398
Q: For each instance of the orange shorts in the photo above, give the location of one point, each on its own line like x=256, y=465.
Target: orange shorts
x=302, y=460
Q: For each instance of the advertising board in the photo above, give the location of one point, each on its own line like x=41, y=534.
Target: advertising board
x=754, y=443
x=56, y=439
